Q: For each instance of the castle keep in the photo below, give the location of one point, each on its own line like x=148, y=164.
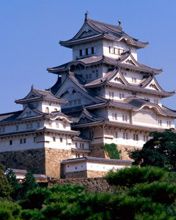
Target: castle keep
x=103, y=95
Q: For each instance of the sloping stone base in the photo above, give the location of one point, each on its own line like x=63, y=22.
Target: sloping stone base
x=33, y=160
x=125, y=150
x=53, y=158
x=43, y=161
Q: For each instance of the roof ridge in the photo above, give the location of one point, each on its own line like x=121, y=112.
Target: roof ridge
x=103, y=23
x=8, y=113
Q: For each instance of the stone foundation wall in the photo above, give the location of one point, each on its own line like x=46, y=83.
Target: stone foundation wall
x=84, y=174
x=79, y=174
x=97, y=151
x=91, y=184
x=53, y=158
x=125, y=150
x=33, y=160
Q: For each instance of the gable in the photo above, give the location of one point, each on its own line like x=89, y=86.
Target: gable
x=118, y=78
x=85, y=31
x=130, y=60
x=32, y=95
x=145, y=116
x=74, y=94
x=153, y=85
x=27, y=112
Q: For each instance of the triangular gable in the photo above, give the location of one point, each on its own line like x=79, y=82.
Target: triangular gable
x=130, y=60
x=118, y=78
x=85, y=117
x=27, y=112
x=33, y=94
x=154, y=85
x=73, y=91
x=85, y=31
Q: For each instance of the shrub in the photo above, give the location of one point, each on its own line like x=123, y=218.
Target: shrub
x=111, y=150
x=9, y=210
x=32, y=215
x=160, y=192
x=130, y=176
x=35, y=198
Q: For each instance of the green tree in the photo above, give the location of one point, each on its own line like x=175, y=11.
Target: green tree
x=131, y=176
x=15, y=185
x=159, y=151
x=28, y=184
x=5, y=188
x=9, y=210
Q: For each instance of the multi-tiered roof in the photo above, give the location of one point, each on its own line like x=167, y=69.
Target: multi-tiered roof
x=93, y=31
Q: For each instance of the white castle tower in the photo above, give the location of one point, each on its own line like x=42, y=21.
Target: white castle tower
x=112, y=97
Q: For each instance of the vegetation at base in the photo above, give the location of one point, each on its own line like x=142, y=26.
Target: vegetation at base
x=139, y=193
x=112, y=151
x=159, y=151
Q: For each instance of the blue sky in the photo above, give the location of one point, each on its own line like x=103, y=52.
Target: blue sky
x=30, y=31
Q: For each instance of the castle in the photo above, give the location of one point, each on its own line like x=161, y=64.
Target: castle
x=103, y=95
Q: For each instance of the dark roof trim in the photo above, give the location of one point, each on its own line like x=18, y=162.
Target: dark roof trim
x=98, y=160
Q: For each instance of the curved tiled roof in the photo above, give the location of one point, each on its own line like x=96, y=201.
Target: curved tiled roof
x=135, y=104
x=104, y=60
x=127, y=86
x=103, y=31
x=37, y=94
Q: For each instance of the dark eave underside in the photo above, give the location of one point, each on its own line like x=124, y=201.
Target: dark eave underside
x=95, y=60
x=104, y=31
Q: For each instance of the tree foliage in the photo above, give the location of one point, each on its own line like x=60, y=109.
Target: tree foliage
x=159, y=151
x=139, y=193
x=112, y=151
x=5, y=188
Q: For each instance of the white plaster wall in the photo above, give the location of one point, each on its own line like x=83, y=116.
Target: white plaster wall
x=57, y=125
x=51, y=106
x=164, y=122
x=30, y=144
x=103, y=167
x=65, y=144
x=120, y=113
x=98, y=49
x=22, y=126
x=129, y=75
x=76, y=167
x=119, y=140
x=90, y=166
x=107, y=44
x=116, y=94
x=145, y=118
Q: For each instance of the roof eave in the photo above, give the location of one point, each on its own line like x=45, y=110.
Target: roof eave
x=70, y=43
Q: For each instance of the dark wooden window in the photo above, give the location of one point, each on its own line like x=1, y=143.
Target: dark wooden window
x=92, y=50
x=80, y=53
x=87, y=51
